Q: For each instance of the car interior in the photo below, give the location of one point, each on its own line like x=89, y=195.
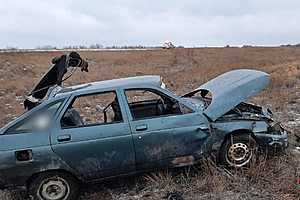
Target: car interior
x=147, y=104
x=92, y=110
x=102, y=109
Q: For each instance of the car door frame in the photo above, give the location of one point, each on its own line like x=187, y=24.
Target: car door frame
x=57, y=127
x=201, y=126
x=147, y=87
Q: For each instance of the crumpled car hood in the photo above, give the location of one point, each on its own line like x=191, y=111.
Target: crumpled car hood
x=230, y=89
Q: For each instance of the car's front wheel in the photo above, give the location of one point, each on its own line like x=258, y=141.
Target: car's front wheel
x=238, y=150
x=53, y=186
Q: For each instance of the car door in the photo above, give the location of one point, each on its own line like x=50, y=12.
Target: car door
x=163, y=138
x=93, y=136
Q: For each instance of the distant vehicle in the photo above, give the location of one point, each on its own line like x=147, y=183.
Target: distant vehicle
x=168, y=45
x=121, y=127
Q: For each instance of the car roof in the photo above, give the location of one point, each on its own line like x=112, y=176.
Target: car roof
x=130, y=82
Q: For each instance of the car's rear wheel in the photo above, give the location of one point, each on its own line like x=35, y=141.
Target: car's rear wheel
x=53, y=186
x=239, y=150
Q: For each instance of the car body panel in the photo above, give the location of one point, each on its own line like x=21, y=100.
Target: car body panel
x=259, y=130
x=232, y=88
x=167, y=138
x=97, y=151
x=164, y=139
x=16, y=174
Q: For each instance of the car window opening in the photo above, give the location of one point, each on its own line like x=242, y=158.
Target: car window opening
x=92, y=109
x=149, y=103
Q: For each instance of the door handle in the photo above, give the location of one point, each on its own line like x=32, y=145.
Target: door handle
x=141, y=127
x=63, y=138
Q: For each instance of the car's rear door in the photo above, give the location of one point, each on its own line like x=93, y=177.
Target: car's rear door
x=93, y=144
x=164, y=139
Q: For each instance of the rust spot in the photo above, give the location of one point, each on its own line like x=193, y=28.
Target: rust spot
x=183, y=161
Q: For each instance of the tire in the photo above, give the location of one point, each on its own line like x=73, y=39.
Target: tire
x=239, y=150
x=53, y=186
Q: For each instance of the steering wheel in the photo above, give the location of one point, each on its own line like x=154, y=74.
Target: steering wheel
x=169, y=106
x=160, y=107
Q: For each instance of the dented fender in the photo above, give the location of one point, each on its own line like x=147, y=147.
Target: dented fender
x=219, y=131
x=252, y=126
x=260, y=130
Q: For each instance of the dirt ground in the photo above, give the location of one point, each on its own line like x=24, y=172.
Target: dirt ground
x=182, y=70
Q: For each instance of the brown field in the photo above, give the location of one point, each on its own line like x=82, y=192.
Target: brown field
x=182, y=70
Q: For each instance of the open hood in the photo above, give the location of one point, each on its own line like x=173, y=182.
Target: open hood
x=230, y=89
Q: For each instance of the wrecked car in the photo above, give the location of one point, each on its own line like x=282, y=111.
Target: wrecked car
x=90, y=132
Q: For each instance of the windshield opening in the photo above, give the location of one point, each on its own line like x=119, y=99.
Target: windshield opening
x=201, y=96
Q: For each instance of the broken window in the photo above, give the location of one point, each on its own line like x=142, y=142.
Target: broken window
x=148, y=103
x=93, y=109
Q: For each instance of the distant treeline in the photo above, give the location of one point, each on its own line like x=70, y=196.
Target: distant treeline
x=93, y=46
x=100, y=46
x=290, y=45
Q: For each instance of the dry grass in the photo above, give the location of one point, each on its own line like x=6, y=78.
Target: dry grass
x=273, y=179
x=266, y=179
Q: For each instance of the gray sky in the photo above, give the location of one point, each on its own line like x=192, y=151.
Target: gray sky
x=31, y=23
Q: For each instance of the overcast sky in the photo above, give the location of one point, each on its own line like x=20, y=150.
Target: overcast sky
x=31, y=23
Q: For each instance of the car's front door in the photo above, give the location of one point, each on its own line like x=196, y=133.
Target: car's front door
x=93, y=136
x=165, y=132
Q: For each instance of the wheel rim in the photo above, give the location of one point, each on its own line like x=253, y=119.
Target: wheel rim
x=54, y=188
x=239, y=154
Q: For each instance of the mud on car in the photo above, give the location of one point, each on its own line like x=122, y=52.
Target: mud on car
x=90, y=132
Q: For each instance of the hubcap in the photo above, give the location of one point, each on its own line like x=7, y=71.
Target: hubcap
x=55, y=188
x=239, y=155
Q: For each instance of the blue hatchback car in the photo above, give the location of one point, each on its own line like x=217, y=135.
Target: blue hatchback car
x=126, y=126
